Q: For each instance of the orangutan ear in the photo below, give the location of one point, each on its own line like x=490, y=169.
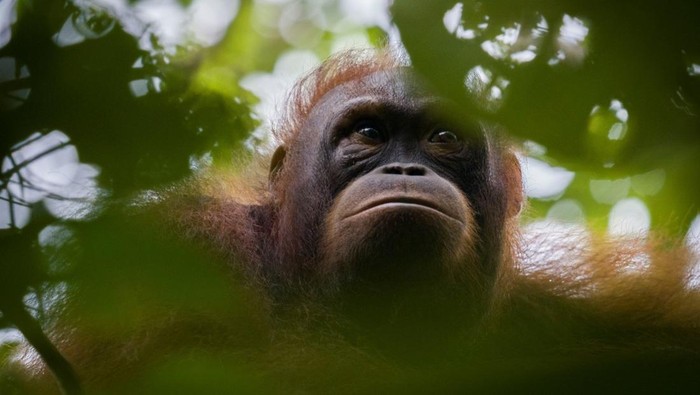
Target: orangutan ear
x=277, y=163
x=513, y=179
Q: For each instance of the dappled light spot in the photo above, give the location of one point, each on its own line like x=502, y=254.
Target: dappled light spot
x=485, y=86
x=543, y=181
x=45, y=167
x=571, y=42
x=138, y=87
x=306, y=24
x=77, y=199
x=14, y=83
x=693, y=282
x=204, y=21
x=68, y=35
x=610, y=191
x=455, y=25
x=88, y=23
x=350, y=41
x=10, y=336
x=533, y=149
x=567, y=211
x=516, y=43
x=524, y=56
x=46, y=297
x=297, y=27
x=52, y=239
x=541, y=28
x=649, y=183
x=617, y=131
x=572, y=31
x=692, y=238
x=692, y=241
x=557, y=58
x=268, y=87
x=39, y=163
x=637, y=261
x=607, y=130
x=629, y=217
x=8, y=16
x=619, y=110
x=201, y=162
x=576, y=234
x=143, y=86
x=13, y=212
x=92, y=23
x=694, y=69
x=453, y=17
x=209, y=19
x=167, y=23
x=368, y=12
x=554, y=249
x=499, y=47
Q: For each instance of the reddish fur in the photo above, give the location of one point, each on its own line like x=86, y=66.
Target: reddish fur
x=558, y=289
x=222, y=220
x=336, y=71
x=659, y=296
x=344, y=67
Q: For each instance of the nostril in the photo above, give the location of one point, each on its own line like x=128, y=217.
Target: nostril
x=392, y=169
x=404, y=169
x=414, y=170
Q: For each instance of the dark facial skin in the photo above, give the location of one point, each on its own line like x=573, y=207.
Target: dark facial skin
x=402, y=184
x=395, y=195
x=400, y=207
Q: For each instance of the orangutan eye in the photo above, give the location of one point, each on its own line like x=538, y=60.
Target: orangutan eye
x=443, y=137
x=370, y=131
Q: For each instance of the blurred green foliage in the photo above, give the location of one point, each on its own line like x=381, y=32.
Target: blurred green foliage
x=100, y=102
x=563, y=71
x=143, y=114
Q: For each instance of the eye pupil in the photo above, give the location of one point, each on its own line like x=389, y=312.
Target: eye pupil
x=444, y=137
x=370, y=132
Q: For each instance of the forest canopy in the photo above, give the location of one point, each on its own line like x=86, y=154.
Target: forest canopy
x=105, y=101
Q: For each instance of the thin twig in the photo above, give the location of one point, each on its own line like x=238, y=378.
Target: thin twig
x=6, y=175
x=16, y=313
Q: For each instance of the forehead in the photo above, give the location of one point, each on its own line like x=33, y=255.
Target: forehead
x=397, y=86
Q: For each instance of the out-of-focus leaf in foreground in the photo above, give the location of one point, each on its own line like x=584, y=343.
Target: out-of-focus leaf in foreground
x=609, y=90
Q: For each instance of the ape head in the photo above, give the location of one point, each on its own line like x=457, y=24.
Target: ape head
x=377, y=181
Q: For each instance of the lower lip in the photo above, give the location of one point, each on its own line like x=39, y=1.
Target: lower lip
x=402, y=206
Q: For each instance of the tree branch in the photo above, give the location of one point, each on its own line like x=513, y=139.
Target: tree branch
x=17, y=314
